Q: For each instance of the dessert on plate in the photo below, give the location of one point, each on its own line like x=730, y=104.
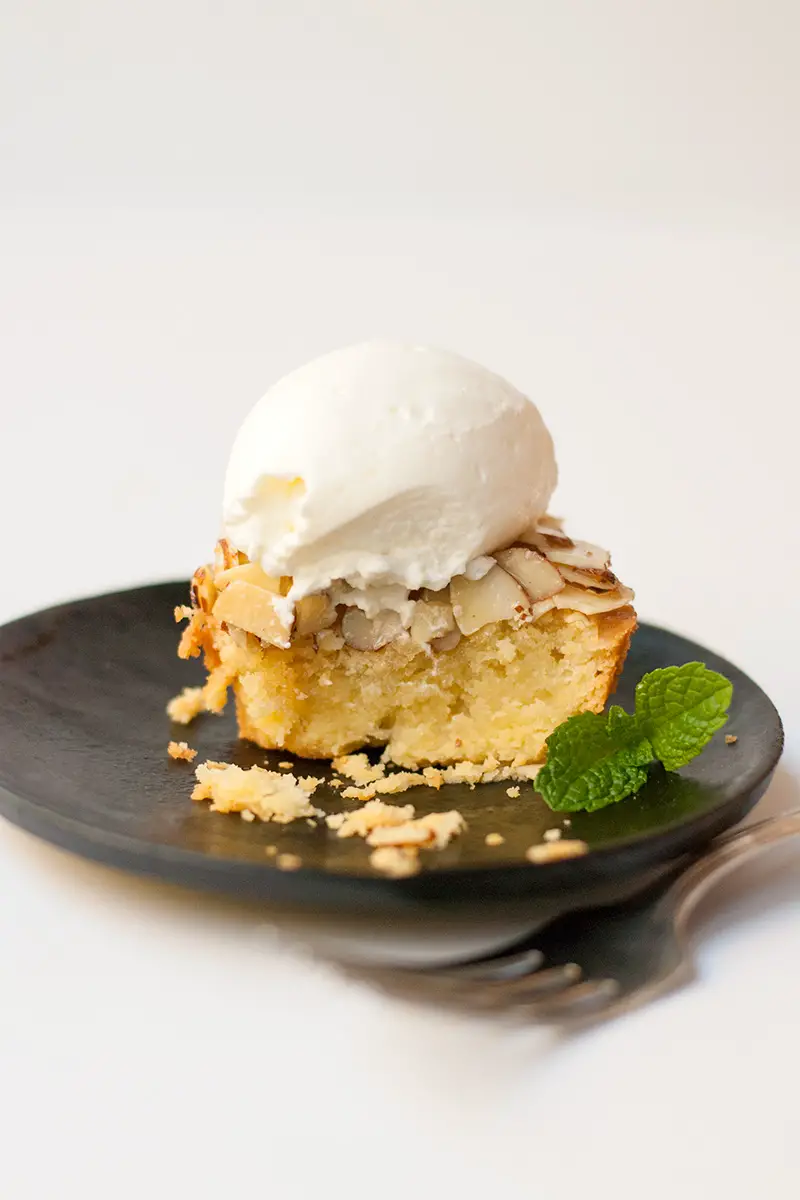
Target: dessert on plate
x=388, y=575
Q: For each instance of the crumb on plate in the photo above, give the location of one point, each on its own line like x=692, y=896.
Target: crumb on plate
x=184, y=707
x=181, y=751
x=494, y=839
x=556, y=851
x=397, y=862
x=288, y=862
x=358, y=768
x=268, y=795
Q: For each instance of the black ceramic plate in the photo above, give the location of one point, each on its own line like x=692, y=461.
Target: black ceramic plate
x=83, y=763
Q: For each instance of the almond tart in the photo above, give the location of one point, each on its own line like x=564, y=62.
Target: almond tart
x=482, y=670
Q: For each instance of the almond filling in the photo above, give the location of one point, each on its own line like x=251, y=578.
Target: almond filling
x=542, y=570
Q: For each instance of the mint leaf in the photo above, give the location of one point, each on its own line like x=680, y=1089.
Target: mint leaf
x=594, y=760
x=680, y=708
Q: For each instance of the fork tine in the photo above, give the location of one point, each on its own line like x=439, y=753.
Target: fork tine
x=499, y=994
x=588, y=998
x=509, y=966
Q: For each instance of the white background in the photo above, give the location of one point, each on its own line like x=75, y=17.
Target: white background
x=600, y=201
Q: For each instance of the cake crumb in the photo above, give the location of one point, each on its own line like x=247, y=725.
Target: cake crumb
x=395, y=825
x=567, y=822
x=270, y=851
x=470, y=773
x=552, y=835
x=494, y=839
x=556, y=851
x=397, y=862
x=311, y=822
x=358, y=768
x=287, y=766
x=731, y=739
x=435, y=831
x=184, y=707
x=373, y=815
x=266, y=794
x=513, y=792
x=181, y=750
x=247, y=815
x=288, y=862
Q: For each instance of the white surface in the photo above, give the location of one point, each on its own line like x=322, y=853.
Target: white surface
x=444, y=462
x=601, y=203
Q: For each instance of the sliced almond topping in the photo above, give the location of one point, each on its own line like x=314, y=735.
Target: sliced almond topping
x=544, y=535
x=591, y=577
x=365, y=633
x=541, y=607
x=531, y=569
x=495, y=597
x=225, y=556
x=577, y=554
x=202, y=589
x=431, y=620
x=448, y=642
x=313, y=614
x=253, y=609
x=551, y=524
x=589, y=603
x=250, y=573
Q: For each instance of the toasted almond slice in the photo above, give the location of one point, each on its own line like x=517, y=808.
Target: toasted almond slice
x=202, y=589
x=253, y=609
x=441, y=597
x=531, y=569
x=495, y=597
x=541, y=607
x=591, y=577
x=543, y=536
x=313, y=614
x=448, y=642
x=225, y=556
x=250, y=573
x=589, y=603
x=431, y=620
x=370, y=633
x=578, y=554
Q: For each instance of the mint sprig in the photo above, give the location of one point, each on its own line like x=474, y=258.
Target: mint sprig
x=597, y=759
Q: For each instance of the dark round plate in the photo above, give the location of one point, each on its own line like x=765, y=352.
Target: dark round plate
x=83, y=763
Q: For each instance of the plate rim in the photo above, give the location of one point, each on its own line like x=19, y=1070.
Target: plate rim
x=187, y=867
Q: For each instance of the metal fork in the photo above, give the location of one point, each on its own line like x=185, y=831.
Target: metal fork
x=596, y=964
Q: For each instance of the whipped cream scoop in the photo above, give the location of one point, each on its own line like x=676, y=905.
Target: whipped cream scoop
x=383, y=464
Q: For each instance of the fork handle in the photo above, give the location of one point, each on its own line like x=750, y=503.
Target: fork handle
x=684, y=894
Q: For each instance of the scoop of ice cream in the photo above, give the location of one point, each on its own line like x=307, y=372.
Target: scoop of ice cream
x=384, y=464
